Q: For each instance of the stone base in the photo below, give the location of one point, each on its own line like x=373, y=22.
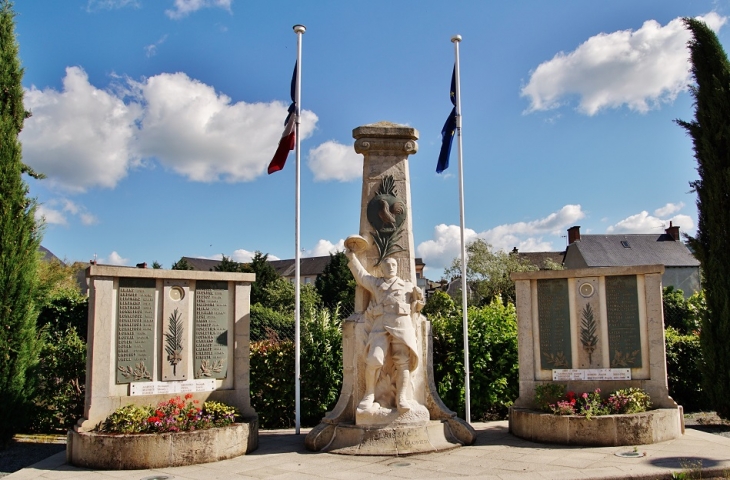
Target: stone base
x=142, y=451
x=601, y=431
x=433, y=436
x=380, y=416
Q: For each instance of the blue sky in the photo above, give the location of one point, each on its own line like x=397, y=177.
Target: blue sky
x=155, y=120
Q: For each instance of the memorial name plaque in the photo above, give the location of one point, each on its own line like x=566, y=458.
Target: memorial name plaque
x=622, y=318
x=163, y=388
x=564, y=375
x=135, y=330
x=553, y=312
x=210, y=336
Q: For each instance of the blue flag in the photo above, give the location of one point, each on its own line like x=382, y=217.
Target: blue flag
x=447, y=133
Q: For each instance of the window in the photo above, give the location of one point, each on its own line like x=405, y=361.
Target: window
x=625, y=244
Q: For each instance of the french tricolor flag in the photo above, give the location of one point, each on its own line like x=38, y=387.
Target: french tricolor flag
x=288, y=138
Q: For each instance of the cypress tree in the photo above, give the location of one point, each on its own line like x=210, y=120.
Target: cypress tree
x=710, y=133
x=19, y=242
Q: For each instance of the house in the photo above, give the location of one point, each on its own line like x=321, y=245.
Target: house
x=309, y=268
x=682, y=269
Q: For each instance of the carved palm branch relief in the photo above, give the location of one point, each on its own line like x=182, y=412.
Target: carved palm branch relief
x=173, y=340
x=558, y=360
x=588, y=328
x=138, y=372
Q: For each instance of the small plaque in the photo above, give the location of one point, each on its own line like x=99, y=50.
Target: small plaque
x=564, y=375
x=171, y=388
x=135, y=330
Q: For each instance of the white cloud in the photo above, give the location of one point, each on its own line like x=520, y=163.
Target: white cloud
x=151, y=50
x=668, y=209
x=645, y=223
x=439, y=252
x=200, y=134
x=110, y=4
x=114, y=259
x=50, y=216
x=641, y=69
x=56, y=211
x=241, y=256
x=183, y=8
x=85, y=137
x=334, y=161
x=324, y=247
x=80, y=137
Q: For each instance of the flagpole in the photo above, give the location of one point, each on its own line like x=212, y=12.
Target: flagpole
x=464, y=292
x=299, y=30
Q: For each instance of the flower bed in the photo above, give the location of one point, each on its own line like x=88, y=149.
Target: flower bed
x=601, y=431
x=174, y=433
x=587, y=419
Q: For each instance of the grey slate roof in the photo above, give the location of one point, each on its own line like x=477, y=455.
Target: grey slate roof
x=608, y=251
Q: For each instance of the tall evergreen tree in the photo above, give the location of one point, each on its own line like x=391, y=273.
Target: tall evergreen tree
x=710, y=132
x=336, y=283
x=266, y=275
x=19, y=242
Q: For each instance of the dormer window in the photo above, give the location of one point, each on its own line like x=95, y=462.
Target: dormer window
x=625, y=244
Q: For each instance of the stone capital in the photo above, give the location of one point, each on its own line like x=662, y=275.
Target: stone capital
x=385, y=138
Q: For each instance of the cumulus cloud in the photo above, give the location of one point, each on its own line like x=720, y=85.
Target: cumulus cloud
x=439, y=252
x=182, y=8
x=81, y=136
x=644, y=223
x=640, y=69
x=324, y=247
x=114, y=259
x=669, y=209
x=200, y=134
x=334, y=161
x=84, y=137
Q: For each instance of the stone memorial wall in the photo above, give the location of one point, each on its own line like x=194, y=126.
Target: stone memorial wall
x=592, y=328
x=154, y=334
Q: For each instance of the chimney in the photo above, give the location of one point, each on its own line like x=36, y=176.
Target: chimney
x=574, y=234
x=142, y=265
x=673, y=231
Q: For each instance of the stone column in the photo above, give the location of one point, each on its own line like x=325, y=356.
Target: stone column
x=385, y=147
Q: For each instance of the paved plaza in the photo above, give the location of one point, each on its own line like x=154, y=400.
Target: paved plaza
x=496, y=455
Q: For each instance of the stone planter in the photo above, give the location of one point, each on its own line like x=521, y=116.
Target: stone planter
x=601, y=431
x=107, y=451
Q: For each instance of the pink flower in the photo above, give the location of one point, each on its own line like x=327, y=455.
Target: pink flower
x=584, y=395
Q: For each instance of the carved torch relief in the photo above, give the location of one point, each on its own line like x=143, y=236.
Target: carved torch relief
x=387, y=214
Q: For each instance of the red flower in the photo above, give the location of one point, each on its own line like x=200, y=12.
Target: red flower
x=153, y=420
x=188, y=396
x=570, y=395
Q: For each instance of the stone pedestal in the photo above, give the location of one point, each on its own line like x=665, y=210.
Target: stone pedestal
x=385, y=427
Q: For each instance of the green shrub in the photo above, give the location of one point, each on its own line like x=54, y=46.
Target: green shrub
x=321, y=364
x=269, y=324
x=493, y=360
x=629, y=400
x=547, y=394
x=127, y=419
x=684, y=370
x=61, y=375
x=272, y=372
